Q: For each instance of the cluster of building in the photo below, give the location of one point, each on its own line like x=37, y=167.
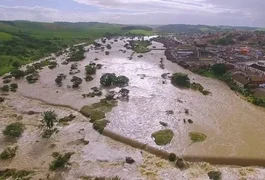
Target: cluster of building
x=245, y=55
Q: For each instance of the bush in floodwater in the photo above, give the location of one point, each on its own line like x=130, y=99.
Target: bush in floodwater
x=14, y=129
x=100, y=125
x=5, y=88
x=17, y=74
x=33, y=78
x=14, y=86
x=121, y=81
x=60, y=161
x=8, y=153
x=215, y=175
x=172, y=157
x=76, y=81
x=108, y=79
x=197, y=137
x=2, y=99
x=52, y=65
x=6, y=81
x=163, y=137
x=179, y=79
x=91, y=69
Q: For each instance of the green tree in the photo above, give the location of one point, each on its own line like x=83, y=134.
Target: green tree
x=219, y=69
x=49, y=117
x=17, y=74
x=16, y=64
x=180, y=79
x=108, y=79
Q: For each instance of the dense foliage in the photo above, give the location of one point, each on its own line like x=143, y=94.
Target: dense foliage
x=179, y=79
x=60, y=161
x=110, y=79
x=219, y=69
x=14, y=129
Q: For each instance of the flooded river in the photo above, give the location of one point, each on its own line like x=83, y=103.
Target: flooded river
x=233, y=126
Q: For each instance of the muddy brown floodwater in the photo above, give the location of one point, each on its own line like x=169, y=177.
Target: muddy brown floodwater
x=233, y=126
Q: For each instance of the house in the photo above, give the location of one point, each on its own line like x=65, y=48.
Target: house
x=257, y=81
x=241, y=81
x=259, y=93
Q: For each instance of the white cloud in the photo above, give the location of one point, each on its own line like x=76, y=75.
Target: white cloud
x=211, y=12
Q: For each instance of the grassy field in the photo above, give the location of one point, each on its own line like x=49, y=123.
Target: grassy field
x=141, y=32
x=26, y=41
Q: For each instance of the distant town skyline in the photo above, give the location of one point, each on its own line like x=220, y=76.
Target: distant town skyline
x=155, y=12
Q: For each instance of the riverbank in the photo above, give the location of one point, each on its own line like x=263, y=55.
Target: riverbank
x=152, y=100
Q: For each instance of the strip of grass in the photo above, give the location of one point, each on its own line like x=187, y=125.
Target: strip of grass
x=141, y=32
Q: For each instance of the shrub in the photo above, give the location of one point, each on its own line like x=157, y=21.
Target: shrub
x=15, y=174
x=14, y=85
x=197, y=137
x=32, y=78
x=121, y=81
x=215, y=175
x=6, y=81
x=91, y=69
x=8, y=153
x=107, y=79
x=52, y=65
x=179, y=79
x=60, y=161
x=219, y=69
x=76, y=81
x=172, y=157
x=16, y=64
x=163, y=137
x=17, y=74
x=14, y=129
x=2, y=99
x=5, y=88
x=49, y=132
x=100, y=125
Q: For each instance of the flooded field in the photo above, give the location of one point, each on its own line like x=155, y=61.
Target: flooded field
x=233, y=126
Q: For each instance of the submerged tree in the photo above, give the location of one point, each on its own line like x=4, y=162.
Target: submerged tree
x=76, y=81
x=179, y=79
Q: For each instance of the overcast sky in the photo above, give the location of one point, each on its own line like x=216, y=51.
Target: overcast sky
x=210, y=12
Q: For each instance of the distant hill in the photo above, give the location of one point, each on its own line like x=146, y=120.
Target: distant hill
x=146, y=28
x=184, y=28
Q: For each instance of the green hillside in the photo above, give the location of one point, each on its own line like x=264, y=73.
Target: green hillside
x=26, y=41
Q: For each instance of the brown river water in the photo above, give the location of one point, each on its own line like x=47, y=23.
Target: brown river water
x=233, y=126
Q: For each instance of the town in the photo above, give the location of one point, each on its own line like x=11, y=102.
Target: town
x=241, y=53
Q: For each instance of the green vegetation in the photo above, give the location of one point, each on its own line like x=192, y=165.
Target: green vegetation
x=48, y=118
x=26, y=42
x=163, y=137
x=227, y=78
x=14, y=129
x=199, y=87
x=5, y=36
x=110, y=79
x=179, y=79
x=219, y=69
x=67, y=118
x=97, y=111
x=215, y=175
x=76, y=81
x=172, y=157
x=140, y=46
x=77, y=53
x=197, y=137
x=140, y=32
x=8, y=153
x=5, y=88
x=99, y=125
x=60, y=161
x=224, y=41
x=15, y=174
x=91, y=69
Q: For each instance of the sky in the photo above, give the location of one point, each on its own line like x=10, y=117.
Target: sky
x=155, y=12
